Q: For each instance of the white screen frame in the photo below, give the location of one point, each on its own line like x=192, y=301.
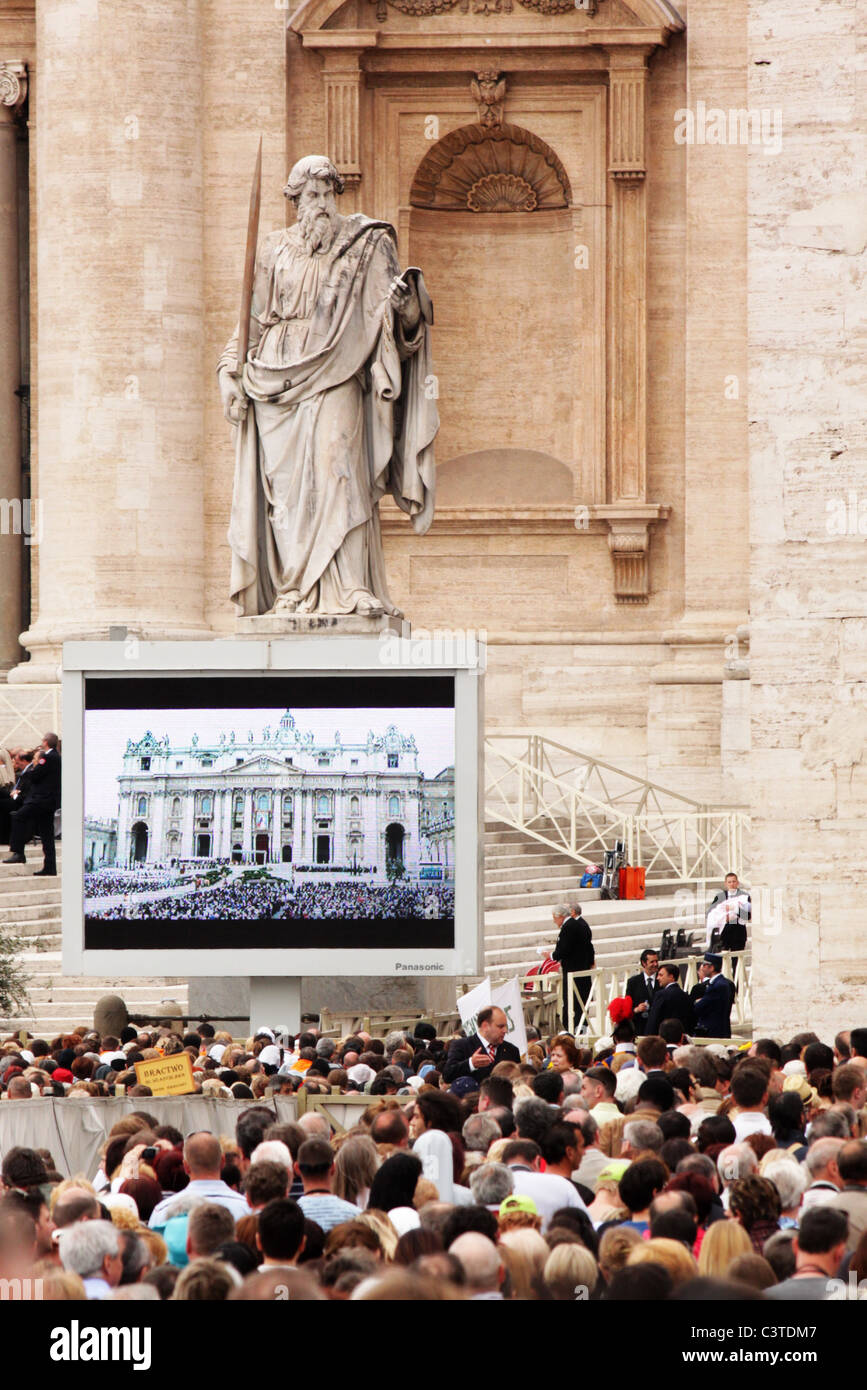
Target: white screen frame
x=302, y=656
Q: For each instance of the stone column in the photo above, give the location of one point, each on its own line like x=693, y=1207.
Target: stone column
x=296, y=824
x=120, y=376
x=13, y=90
x=188, y=824
x=247, y=837
x=309, y=833
x=157, y=841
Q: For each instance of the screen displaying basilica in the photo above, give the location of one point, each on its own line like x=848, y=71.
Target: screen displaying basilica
x=354, y=802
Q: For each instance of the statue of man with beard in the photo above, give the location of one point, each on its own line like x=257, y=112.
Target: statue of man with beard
x=338, y=373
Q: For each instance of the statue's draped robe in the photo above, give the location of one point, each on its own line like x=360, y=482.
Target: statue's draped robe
x=342, y=411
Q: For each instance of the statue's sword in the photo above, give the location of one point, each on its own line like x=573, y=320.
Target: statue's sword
x=250, y=262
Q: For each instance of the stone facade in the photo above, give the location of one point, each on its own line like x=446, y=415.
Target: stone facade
x=100, y=842
x=646, y=343
x=572, y=343
x=283, y=798
x=808, y=518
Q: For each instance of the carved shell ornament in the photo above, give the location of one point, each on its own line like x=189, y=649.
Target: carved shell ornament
x=501, y=193
x=491, y=171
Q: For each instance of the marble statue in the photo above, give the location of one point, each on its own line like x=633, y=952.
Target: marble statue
x=338, y=373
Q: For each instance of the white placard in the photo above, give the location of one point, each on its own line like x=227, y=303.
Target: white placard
x=506, y=997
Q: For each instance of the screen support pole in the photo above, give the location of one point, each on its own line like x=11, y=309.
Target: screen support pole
x=275, y=1003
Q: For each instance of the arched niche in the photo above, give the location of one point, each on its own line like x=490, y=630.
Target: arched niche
x=504, y=478
x=491, y=223
x=505, y=169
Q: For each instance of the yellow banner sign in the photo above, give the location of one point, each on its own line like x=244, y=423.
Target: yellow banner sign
x=167, y=1076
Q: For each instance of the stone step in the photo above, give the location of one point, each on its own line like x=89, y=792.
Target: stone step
x=11, y=916
x=549, y=897
x=16, y=894
x=34, y=926
x=550, y=876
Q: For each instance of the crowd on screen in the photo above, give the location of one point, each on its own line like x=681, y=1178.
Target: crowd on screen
x=107, y=883
x=645, y=1168
x=262, y=899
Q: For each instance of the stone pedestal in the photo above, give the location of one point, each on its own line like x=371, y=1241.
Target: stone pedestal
x=320, y=624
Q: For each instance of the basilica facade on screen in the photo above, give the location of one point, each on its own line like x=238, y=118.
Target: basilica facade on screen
x=283, y=798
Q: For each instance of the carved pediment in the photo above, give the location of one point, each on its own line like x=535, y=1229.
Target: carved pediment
x=660, y=16
x=262, y=763
x=475, y=169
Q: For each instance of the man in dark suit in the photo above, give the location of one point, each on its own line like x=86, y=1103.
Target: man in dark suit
x=574, y=951
x=641, y=989
x=670, y=1001
x=36, y=816
x=713, y=1008
x=16, y=791
x=476, y=1056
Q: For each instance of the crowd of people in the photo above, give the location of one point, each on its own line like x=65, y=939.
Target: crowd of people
x=111, y=883
x=264, y=899
x=646, y=1168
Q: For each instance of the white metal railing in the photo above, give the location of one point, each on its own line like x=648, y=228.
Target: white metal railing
x=27, y=712
x=606, y=983
x=580, y=806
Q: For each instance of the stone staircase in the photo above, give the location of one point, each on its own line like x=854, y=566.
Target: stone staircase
x=525, y=880
x=522, y=872
x=30, y=910
x=620, y=932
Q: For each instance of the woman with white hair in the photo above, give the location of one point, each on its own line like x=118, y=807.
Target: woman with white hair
x=789, y=1179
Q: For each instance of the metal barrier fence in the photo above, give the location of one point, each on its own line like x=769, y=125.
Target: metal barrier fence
x=580, y=806
x=543, y=994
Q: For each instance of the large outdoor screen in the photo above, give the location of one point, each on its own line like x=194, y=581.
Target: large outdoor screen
x=278, y=812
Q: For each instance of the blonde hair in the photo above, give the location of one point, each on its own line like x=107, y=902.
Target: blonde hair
x=530, y=1246
x=425, y=1191
x=519, y=1221
x=124, y=1219
x=382, y=1228
x=569, y=1266
x=355, y=1167
x=671, y=1254
x=58, y=1285
x=496, y=1151
x=615, y=1247
x=723, y=1242
x=159, y=1251
x=80, y=1183
x=776, y=1156
x=209, y=1281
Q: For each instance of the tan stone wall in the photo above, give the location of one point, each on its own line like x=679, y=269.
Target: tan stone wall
x=808, y=472
x=565, y=657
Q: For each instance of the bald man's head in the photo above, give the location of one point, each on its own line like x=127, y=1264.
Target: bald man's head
x=315, y=1126
x=203, y=1156
x=480, y=1261
x=75, y=1204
